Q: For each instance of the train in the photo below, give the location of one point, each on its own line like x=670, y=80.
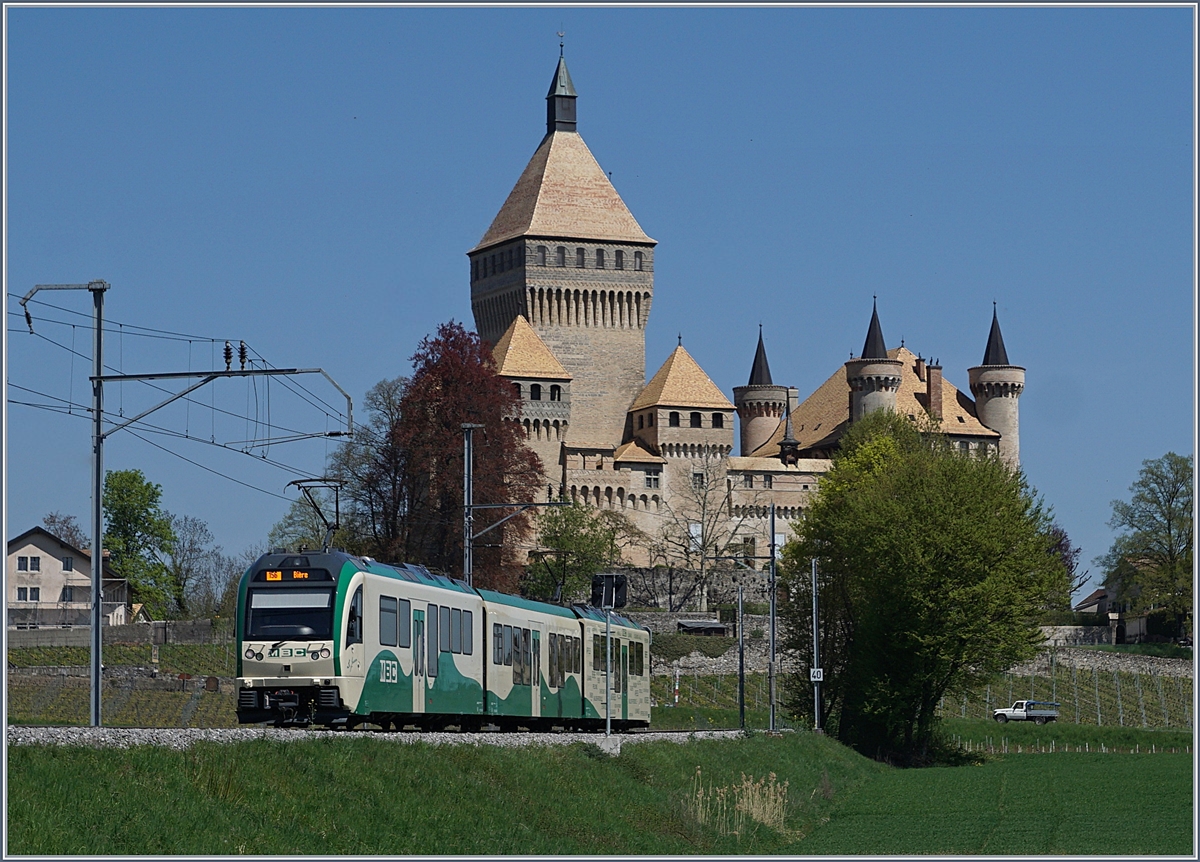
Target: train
x=330, y=639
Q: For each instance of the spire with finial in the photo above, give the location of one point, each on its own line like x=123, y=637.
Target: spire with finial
x=995, y=354
x=874, y=348
x=560, y=101
x=760, y=372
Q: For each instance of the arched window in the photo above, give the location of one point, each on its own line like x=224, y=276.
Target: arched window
x=579, y=258
x=673, y=419
x=695, y=420
x=556, y=393
x=541, y=255
x=641, y=421
x=599, y=258
x=619, y=262
x=535, y=392
x=560, y=256
x=517, y=387
x=637, y=261
x=718, y=420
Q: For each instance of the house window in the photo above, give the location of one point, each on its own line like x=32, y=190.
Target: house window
x=747, y=481
x=673, y=419
x=35, y=594
x=718, y=420
x=698, y=481
x=695, y=420
x=652, y=480
x=556, y=393
x=599, y=258
x=637, y=261
x=541, y=255
x=768, y=480
x=22, y=594
x=35, y=564
x=68, y=594
x=560, y=256
x=535, y=392
x=619, y=259
x=963, y=445
x=579, y=258
x=68, y=564
x=22, y=564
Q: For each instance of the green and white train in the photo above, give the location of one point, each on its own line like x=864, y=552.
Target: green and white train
x=331, y=639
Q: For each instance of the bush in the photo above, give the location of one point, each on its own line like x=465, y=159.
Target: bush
x=671, y=647
x=1071, y=618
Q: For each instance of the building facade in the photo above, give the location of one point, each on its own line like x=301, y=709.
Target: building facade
x=49, y=585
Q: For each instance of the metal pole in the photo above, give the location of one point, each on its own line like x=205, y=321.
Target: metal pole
x=97, y=288
x=771, y=664
x=468, y=500
x=607, y=672
x=816, y=651
x=741, y=667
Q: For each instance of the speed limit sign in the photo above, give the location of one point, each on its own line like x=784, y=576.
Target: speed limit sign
x=816, y=674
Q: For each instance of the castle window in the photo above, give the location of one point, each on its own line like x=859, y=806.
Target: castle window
x=535, y=392
x=541, y=255
x=637, y=261
x=619, y=263
x=556, y=393
x=673, y=419
x=493, y=264
x=579, y=258
x=718, y=420
x=650, y=419
x=509, y=260
x=517, y=387
x=747, y=481
x=641, y=421
x=560, y=256
x=695, y=420
x=698, y=481
x=599, y=258
x=768, y=480
x=964, y=445
x=652, y=480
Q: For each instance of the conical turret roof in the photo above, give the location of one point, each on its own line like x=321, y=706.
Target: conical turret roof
x=760, y=372
x=874, y=348
x=681, y=382
x=520, y=352
x=994, y=353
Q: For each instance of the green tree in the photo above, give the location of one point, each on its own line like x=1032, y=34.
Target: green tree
x=574, y=543
x=1149, y=565
x=934, y=566
x=139, y=538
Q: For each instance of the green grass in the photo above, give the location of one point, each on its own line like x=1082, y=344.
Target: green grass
x=977, y=733
x=364, y=795
x=194, y=659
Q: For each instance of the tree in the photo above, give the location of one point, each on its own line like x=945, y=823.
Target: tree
x=575, y=542
x=934, y=566
x=302, y=527
x=404, y=474
x=139, y=538
x=1149, y=565
x=67, y=529
x=187, y=559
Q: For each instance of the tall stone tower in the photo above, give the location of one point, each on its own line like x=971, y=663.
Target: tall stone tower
x=760, y=403
x=566, y=253
x=997, y=386
x=873, y=377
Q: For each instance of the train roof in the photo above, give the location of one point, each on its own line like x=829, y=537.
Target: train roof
x=416, y=575
x=588, y=612
x=525, y=604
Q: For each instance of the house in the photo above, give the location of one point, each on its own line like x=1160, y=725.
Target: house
x=1095, y=603
x=49, y=585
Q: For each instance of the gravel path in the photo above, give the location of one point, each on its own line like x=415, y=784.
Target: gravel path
x=179, y=738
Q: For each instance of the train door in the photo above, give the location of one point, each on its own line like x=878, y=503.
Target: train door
x=535, y=692
x=623, y=670
x=418, y=657
x=352, y=659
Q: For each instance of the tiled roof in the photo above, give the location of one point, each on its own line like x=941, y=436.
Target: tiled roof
x=564, y=193
x=632, y=451
x=750, y=463
x=821, y=419
x=520, y=352
x=681, y=383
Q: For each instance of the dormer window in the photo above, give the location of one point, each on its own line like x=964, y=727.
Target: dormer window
x=556, y=393
x=535, y=392
x=619, y=259
x=641, y=421
x=718, y=420
x=673, y=419
x=637, y=261
x=695, y=420
x=650, y=419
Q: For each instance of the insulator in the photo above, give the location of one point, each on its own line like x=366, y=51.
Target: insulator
x=242, y=354
x=228, y=355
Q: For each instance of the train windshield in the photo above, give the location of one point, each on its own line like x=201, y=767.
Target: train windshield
x=275, y=614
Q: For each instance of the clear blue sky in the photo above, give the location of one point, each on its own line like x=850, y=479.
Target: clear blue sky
x=309, y=180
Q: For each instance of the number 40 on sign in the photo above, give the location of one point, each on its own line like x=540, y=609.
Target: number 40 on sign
x=816, y=674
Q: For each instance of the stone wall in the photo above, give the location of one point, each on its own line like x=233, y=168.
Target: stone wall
x=1077, y=635
x=171, y=632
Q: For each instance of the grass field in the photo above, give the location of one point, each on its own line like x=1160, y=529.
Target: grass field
x=369, y=795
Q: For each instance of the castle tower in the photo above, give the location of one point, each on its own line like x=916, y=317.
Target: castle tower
x=565, y=252
x=760, y=403
x=873, y=378
x=997, y=386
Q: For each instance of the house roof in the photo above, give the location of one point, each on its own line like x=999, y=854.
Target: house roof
x=563, y=192
x=874, y=347
x=16, y=541
x=633, y=451
x=994, y=353
x=681, y=382
x=759, y=464
x=1094, y=598
x=821, y=419
x=520, y=352
x=760, y=371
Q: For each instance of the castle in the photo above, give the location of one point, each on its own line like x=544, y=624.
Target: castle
x=562, y=283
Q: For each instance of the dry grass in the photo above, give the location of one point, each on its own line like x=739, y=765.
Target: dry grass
x=731, y=809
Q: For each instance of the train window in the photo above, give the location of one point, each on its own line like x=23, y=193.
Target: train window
x=354, y=624
x=552, y=680
x=444, y=630
x=527, y=655
x=616, y=665
x=518, y=655
x=387, y=621
x=508, y=650
x=597, y=652
x=431, y=632
x=404, y=617
x=456, y=630
x=468, y=644
x=497, y=643
x=639, y=655
x=578, y=655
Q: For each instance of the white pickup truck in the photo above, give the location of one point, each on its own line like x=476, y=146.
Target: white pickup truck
x=1037, y=711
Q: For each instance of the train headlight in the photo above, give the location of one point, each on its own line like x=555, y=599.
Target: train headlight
x=325, y=652
x=258, y=656
x=314, y=655
x=249, y=652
